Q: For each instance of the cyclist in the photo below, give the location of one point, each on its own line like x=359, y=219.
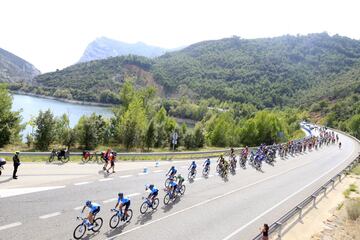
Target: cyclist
x=180, y=179
x=123, y=202
x=153, y=192
x=192, y=167
x=207, y=164
x=339, y=144
x=172, y=186
x=94, y=209
x=172, y=172
x=106, y=157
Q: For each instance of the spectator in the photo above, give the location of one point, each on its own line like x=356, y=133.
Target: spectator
x=106, y=158
x=265, y=232
x=16, y=161
x=112, y=158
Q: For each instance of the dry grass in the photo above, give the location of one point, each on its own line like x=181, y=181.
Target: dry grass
x=353, y=209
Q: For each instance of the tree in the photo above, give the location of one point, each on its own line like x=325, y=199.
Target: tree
x=45, y=130
x=133, y=124
x=90, y=131
x=354, y=125
x=9, y=121
x=199, y=137
x=150, y=135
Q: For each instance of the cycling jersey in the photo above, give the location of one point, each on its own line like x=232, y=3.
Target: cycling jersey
x=207, y=162
x=172, y=171
x=173, y=184
x=124, y=200
x=154, y=190
x=94, y=208
x=193, y=166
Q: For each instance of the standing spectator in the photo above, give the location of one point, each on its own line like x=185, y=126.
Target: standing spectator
x=265, y=232
x=112, y=158
x=16, y=161
x=106, y=158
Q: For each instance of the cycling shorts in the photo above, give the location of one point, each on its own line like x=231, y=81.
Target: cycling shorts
x=153, y=194
x=127, y=205
x=95, y=211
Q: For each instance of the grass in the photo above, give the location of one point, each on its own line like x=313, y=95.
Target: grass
x=339, y=206
x=356, y=170
x=349, y=190
x=353, y=209
x=298, y=134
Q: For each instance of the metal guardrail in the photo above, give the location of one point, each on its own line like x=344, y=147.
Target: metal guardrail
x=278, y=228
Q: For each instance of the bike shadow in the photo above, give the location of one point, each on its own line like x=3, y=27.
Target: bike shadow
x=55, y=162
x=145, y=218
x=90, y=235
x=116, y=231
x=104, y=173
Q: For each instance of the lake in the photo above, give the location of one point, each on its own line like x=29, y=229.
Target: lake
x=30, y=107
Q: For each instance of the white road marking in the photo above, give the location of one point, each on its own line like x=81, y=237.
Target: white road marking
x=198, y=178
x=125, y=176
x=19, y=191
x=158, y=171
x=105, y=179
x=110, y=200
x=206, y=201
x=211, y=175
x=81, y=183
x=184, y=166
x=281, y=202
x=50, y=215
x=11, y=225
x=133, y=194
x=78, y=208
x=142, y=173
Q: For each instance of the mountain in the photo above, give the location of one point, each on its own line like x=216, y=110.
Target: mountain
x=15, y=69
x=266, y=72
x=103, y=48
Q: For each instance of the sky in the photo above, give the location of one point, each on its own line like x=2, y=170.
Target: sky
x=53, y=34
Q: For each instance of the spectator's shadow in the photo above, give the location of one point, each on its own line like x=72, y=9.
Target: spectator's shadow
x=7, y=180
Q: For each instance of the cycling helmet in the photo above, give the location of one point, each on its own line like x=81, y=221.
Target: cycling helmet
x=179, y=176
x=193, y=162
x=121, y=195
x=172, y=167
x=17, y=152
x=88, y=203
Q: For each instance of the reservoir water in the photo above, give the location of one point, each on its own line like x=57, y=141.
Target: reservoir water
x=30, y=107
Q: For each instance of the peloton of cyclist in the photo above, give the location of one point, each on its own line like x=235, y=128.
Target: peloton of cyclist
x=94, y=209
x=123, y=202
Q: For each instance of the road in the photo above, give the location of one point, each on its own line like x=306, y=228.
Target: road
x=210, y=209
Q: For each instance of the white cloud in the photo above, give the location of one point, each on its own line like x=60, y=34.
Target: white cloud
x=53, y=34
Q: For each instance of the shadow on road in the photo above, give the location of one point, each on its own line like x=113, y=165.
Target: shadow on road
x=115, y=231
x=6, y=180
x=142, y=219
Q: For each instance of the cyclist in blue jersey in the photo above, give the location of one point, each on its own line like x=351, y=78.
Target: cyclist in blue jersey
x=207, y=163
x=123, y=202
x=94, y=209
x=172, y=187
x=192, y=167
x=153, y=192
x=172, y=172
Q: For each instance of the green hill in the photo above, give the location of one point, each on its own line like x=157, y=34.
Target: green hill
x=265, y=72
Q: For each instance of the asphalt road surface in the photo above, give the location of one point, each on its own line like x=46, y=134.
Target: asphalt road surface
x=210, y=209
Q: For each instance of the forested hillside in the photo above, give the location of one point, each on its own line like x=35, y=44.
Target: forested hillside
x=269, y=72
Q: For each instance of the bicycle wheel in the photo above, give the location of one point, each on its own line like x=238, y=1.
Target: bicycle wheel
x=130, y=215
x=114, y=221
x=144, y=207
x=79, y=231
x=51, y=158
x=65, y=159
x=190, y=175
x=97, y=224
x=167, y=199
x=182, y=189
x=155, y=203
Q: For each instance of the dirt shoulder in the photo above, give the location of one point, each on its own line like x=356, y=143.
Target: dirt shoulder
x=330, y=219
